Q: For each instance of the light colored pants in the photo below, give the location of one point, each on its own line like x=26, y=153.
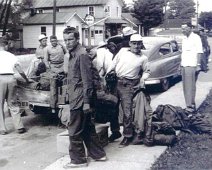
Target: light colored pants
x=7, y=92
x=189, y=85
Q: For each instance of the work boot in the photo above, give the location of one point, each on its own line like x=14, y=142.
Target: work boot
x=115, y=135
x=138, y=139
x=73, y=165
x=125, y=142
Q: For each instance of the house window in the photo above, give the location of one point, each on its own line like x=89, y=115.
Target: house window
x=40, y=11
x=98, y=31
x=117, y=11
x=92, y=33
x=91, y=10
x=107, y=10
x=86, y=33
x=43, y=30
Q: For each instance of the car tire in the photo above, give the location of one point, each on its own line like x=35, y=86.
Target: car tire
x=165, y=84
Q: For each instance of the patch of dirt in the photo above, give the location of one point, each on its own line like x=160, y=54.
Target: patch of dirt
x=192, y=151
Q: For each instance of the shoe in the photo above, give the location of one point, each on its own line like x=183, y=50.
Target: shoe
x=137, y=140
x=125, y=142
x=22, y=130
x=104, y=158
x=72, y=165
x=3, y=132
x=114, y=136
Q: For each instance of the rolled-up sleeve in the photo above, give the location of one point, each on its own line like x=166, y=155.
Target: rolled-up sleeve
x=146, y=69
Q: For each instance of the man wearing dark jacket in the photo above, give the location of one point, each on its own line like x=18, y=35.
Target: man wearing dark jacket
x=81, y=90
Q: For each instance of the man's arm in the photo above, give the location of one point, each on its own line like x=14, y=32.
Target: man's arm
x=21, y=72
x=87, y=80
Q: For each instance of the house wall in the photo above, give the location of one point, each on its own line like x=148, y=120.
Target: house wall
x=113, y=8
x=31, y=33
x=83, y=10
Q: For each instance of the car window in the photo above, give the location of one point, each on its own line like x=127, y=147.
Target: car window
x=165, y=49
x=175, y=47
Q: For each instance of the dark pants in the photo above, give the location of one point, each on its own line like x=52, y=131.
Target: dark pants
x=126, y=93
x=107, y=109
x=81, y=129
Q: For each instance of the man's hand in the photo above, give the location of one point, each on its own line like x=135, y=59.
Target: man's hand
x=198, y=68
x=87, y=108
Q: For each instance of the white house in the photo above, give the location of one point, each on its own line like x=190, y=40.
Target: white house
x=42, y=24
x=107, y=20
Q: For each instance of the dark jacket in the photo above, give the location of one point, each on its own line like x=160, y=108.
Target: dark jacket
x=80, y=88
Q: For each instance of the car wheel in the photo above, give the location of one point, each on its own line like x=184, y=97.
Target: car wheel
x=165, y=84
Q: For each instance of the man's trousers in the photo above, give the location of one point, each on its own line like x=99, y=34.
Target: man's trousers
x=82, y=130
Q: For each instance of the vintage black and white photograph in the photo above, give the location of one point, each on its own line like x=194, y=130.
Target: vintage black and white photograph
x=105, y=84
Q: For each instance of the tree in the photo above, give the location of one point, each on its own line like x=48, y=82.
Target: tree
x=181, y=9
x=149, y=13
x=11, y=13
x=205, y=19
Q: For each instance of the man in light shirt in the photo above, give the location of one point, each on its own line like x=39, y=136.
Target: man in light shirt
x=190, y=64
x=104, y=59
x=132, y=69
x=8, y=63
x=33, y=71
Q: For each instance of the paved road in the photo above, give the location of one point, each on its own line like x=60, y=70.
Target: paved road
x=37, y=148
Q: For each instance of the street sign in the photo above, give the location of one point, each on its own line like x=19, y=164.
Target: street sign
x=194, y=21
x=89, y=19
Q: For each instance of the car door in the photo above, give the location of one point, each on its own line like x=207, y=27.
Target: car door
x=170, y=59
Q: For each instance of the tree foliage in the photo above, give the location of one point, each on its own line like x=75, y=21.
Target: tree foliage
x=11, y=13
x=205, y=19
x=149, y=13
x=181, y=9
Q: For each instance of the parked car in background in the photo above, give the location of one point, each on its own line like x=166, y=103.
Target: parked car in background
x=209, y=33
x=164, y=58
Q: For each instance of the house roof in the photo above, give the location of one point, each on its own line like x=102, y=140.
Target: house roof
x=66, y=3
x=130, y=18
x=174, y=23
x=115, y=21
x=47, y=18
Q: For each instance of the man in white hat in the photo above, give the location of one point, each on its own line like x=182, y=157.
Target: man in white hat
x=130, y=75
x=33, y=71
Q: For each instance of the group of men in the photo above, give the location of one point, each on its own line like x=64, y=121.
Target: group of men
x=131, y=68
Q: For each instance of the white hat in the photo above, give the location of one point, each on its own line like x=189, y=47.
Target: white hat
x=128, y=31
x=136, y=37
x=42, y=36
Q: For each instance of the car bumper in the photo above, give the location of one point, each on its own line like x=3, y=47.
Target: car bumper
x=150, y=82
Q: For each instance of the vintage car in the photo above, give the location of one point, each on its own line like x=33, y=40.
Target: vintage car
x=164, y=60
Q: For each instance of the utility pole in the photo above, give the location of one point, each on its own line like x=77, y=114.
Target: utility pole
x=197, y=13
x=54, y=18
x=165, y=15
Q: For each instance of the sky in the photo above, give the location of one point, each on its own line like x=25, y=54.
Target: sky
x=204, y=5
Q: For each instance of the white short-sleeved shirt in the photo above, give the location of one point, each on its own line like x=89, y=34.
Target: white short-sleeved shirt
x=128, y=65
x=104, y=59
x=8, y=61
x=191, y=46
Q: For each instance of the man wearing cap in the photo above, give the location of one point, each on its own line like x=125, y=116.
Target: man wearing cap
x=54, y=60
x=190, y=64
x=33, y=70
x=130, y=75
x=7, y=88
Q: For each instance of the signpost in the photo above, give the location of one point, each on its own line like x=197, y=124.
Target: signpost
x=89, y=19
